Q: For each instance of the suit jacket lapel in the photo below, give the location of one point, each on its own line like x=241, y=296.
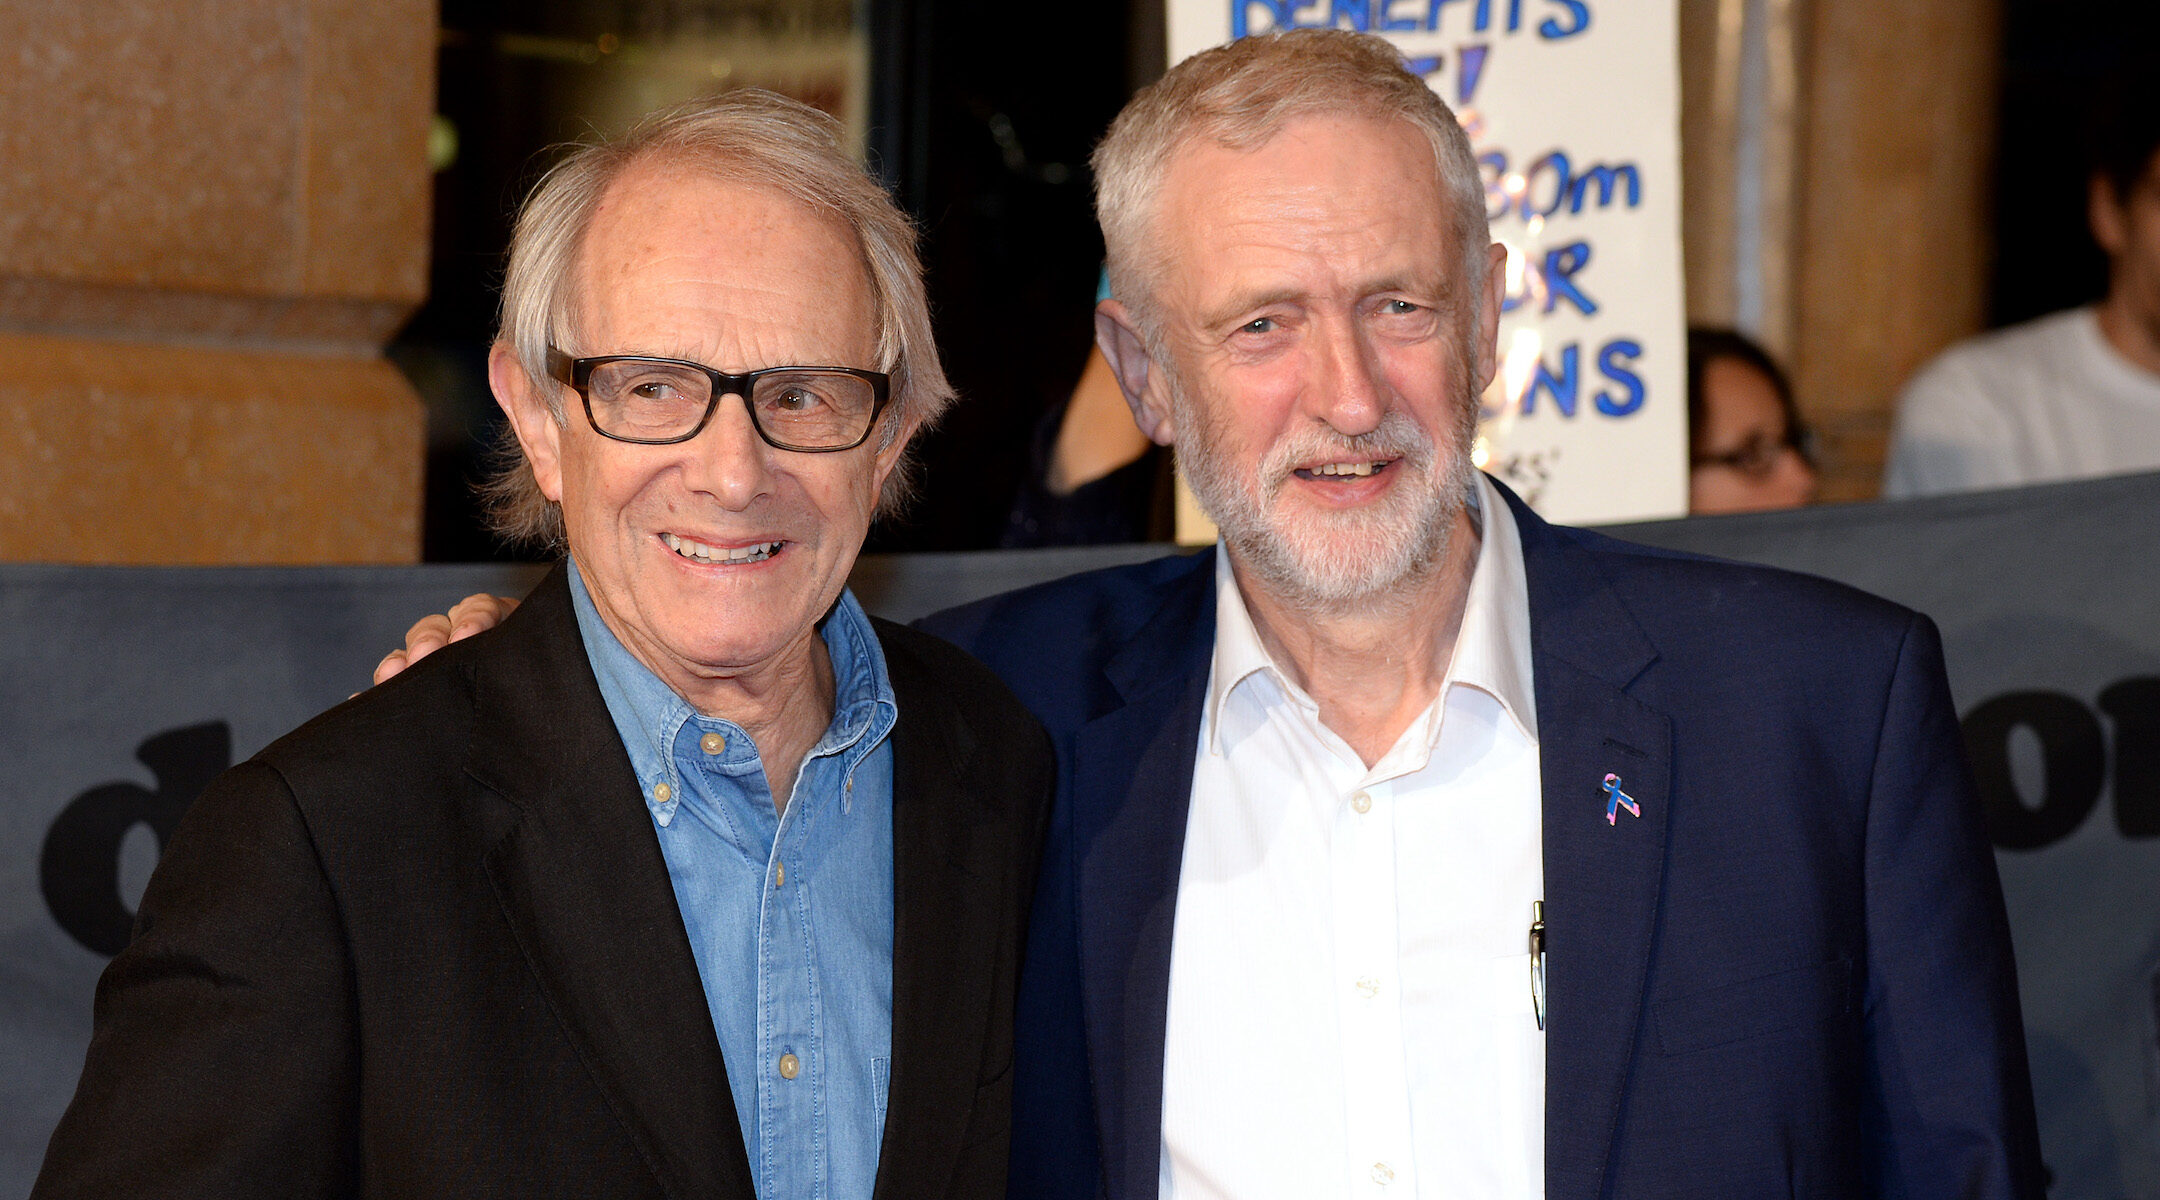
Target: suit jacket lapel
x=582, y=882
x=1132, y=786
x=1602, y=877
x=946, y=908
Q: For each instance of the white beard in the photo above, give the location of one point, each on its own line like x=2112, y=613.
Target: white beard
x=1315, y=559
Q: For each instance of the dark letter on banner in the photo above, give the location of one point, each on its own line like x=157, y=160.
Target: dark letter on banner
x=80, y=868
x=2071, y=753
x=2135, y=706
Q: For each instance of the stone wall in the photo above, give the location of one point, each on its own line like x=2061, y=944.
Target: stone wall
x=214, y=215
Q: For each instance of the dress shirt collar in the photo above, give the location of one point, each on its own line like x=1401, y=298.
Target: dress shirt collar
x=1492, y=650
x=649, y=714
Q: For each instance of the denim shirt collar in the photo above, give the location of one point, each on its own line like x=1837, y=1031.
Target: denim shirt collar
x=649, y=714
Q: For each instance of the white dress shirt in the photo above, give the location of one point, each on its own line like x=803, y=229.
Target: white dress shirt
x=1349, y=1010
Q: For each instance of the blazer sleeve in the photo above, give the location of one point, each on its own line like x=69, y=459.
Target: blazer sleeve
x=224, y=1059
x=1950, y=1109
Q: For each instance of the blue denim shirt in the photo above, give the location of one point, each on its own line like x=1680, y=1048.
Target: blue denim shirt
x=790, y=916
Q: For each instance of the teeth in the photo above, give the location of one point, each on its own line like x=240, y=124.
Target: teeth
x=1363, y=468
x=700, y=552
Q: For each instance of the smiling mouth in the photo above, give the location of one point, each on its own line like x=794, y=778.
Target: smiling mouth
x=731, y=556
x=1347, y=470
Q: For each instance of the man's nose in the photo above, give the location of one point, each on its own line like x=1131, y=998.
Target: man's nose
x=727, y=459
x=1347, y=388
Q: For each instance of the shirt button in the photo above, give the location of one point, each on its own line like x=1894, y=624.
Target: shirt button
x=712, y=743
x=779, y=878
x=1368, y=987
x=790, y=1066
x=1382, y=1174
x=662, y=793
x=1362, y=802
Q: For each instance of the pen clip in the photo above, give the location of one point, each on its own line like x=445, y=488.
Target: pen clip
x=1537, y=962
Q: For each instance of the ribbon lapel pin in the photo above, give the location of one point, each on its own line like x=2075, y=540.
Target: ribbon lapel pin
x=1615, y=800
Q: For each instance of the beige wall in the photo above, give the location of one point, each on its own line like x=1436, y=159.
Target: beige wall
x=215, y=214
x=1874, y=131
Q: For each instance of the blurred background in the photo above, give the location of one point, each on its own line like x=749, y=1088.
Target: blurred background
x=248, y=248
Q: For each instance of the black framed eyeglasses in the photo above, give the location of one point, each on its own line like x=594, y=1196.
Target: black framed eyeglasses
x=661, y=401
x=1758, y=456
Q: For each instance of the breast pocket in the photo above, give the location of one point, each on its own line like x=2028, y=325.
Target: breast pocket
x=1801, y=998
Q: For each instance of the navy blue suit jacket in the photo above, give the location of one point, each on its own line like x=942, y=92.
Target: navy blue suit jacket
x=1790, y=976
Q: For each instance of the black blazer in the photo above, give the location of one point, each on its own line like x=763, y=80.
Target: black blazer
x=426, y=946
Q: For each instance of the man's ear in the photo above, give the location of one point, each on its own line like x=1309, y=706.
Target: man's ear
x=890, y=453
x=2104, y=212
x=537, y=429
x=1117, y=335
x=1488, y=333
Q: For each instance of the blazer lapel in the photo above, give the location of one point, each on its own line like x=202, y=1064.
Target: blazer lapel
x=946, y=908
x=1132, y=786
x=1603, y=873
x=583, y=885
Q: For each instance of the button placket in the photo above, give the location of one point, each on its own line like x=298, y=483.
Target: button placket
x=1374, y=1078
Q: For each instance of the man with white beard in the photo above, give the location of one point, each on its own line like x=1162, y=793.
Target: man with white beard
x=1407, y=845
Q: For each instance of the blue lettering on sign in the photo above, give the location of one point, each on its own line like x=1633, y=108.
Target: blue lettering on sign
x=1614, y=362
x=1281, y=14
x=1561, y=388
x=1577, y=11
x=1552, y=183
x=1387, y=16
x=1469, y=68
x=1606, y=178
x=1480, y=21
x=1561, y=264
x=1553, y=278
x=1554, y=165
x=1493, y=166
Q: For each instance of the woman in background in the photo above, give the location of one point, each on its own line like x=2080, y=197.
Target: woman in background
x=1747, y=449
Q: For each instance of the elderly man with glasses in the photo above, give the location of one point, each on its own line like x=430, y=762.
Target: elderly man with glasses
x=692, y=879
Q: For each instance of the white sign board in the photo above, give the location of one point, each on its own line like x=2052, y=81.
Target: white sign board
x=1573, y=109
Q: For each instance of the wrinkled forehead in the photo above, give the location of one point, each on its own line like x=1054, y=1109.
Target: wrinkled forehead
x=1345, y=192
x=668, y=237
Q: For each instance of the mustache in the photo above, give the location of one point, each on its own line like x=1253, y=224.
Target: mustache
x=1397, y=436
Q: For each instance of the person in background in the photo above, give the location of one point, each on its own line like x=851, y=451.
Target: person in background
x=1747, y=448
x=2068, y=396
x=1093, y=477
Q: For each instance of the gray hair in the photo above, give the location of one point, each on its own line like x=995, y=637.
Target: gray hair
x=1240, y=95
x=742, y=136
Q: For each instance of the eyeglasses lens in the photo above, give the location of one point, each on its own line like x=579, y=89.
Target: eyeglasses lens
x=653, y=401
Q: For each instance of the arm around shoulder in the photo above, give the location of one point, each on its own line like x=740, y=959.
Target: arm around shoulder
x=224, y=1061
